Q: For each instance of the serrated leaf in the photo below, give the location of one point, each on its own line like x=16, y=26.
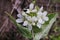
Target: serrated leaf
x=24, y=31
x=47, y=27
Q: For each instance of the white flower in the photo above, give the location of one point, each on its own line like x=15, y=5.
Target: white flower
x=34, y=19
x=19, y=20
x=38, y=25
x=19, y=15
x=29, y=26
x=25, y=23
x=24, y=14
x=40, y=21
x=45, y=13
x=42, y=17
x=31, y=6
x=28, y=11
x=39, y=14
x=45, y=18
x=29, y=18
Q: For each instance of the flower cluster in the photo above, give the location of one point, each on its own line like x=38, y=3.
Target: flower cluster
x=32, y=17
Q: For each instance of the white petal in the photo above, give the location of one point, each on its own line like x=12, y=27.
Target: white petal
x=44, y=13
x=34, y=10
x=39, y=13
x=40, y=21
x=19, y=15
x=34, y=19
x=41, y=9
x=38, y=25
x=25, y=23
x=19, y=20
x=43, y=22
x=45, y=18
x=29, y=18
x=24, y=14
x=28, y=11
x=31, y=6
x=29, y=26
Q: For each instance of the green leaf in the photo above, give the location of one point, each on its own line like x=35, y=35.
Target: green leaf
x=36, y=29
x=24, y=31
x=50, y=17
x=32, y=14
x=46, y=27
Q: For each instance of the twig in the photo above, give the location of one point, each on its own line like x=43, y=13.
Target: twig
x=4, y=24
x=16, y=5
